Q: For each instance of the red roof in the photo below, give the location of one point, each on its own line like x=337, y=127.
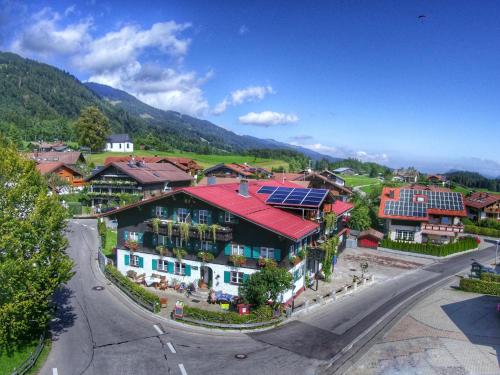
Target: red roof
x=46, y=168
x=253, y=208
x=386, y=196
x=338, y=207
x=71, y=157
x=481, y=200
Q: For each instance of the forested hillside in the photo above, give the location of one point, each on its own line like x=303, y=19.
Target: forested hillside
x=474, y=180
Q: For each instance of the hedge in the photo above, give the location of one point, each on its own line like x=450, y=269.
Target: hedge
x=135, y=291
x=458, y=246
x=491, y=277
x=101, y=229
x=484, y=231
x=262, y=314
x=480, y=286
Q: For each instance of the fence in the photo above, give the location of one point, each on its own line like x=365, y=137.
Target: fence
x=28, y=364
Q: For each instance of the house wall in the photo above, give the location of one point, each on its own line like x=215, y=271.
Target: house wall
x=70, y=176
x=120, y=147
x=392, y=228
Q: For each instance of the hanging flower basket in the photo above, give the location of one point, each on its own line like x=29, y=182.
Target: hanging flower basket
x=237, y=260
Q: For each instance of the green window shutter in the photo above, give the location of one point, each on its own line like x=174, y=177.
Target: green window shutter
x=127, y=259
x=125, y=235
x=154, y=264
x=141, y=262
x=170, y=267
x=154, y=240
x=174, y=215
x=256, y=252
x=277, y=254
x=140, y=237
x=247, y=251
x=221, y=217
x=194, y=216
x=227, y=277
x=246, y=276
x=153, y=211
x=164, y=212
x=188, y=270
x=209, y=217
x=227, y=249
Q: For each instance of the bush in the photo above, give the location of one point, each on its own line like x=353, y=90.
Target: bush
x=462, y=244
x=490, y=277
x=262, y=314
x=480, y=286
x=135, y=290
x=101, y=229
x=484, y=231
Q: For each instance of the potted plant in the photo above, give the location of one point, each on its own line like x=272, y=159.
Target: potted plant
x=295, y=259
x=184, y=228
x=213, y=229
x=162, y=250
x=179, y=253
x=170, y=228
x=131, y=245
x=202, y=229
x=237, y=260
x=205, y=256
x=266, y=262
x=155, y=223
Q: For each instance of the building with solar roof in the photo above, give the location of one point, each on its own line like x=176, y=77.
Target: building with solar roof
x=481, y=205
x=422, y=214
x=252, y=221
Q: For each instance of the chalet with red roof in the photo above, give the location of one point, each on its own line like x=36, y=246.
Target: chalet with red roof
x=184, y=164
x=66, y=173
x=228, y=231
x=422, y=214
x=237, y=170
x=482, y=205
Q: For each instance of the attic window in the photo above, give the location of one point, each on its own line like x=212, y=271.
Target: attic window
x=420, y=199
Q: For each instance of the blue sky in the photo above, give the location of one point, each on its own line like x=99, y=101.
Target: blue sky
x=348, y=78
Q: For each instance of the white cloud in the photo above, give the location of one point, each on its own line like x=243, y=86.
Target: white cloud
x=117, y=58
x=243, y=30
x=268, y=118
x=46, y=37
x=240, y=96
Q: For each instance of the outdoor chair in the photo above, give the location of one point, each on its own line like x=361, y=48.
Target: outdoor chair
x=131, y=274
x=140, y=279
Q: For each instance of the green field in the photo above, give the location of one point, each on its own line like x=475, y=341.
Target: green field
x=111, y=238
x=204, y=160
x=10, y=361
x=354, y=181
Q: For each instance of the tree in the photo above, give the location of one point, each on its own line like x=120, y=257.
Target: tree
x=360, y=217
x=330, y=249
x=267, y=284
x=92, y=128
x=33, y=263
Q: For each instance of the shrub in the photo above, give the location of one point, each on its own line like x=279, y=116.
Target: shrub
x=262, y=314
x=101, y=229
x=135, y=290
x=462, y=244
x=491, y=277
x=484, y=231
x=480, y=286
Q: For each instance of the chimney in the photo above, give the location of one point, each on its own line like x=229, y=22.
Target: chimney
x=244, y=188
x=212, y=180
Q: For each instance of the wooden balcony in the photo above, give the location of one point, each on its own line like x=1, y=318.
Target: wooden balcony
x=223, y=234
x=442, y=228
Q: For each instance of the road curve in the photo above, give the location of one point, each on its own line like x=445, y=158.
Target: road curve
x=102, y=332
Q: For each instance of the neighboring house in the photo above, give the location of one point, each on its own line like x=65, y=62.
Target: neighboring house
x=481, y=205
x=66, y=172
x=119, y=143
x=344, y=170
x=409, y=175
x=333, y=177
x=370, y=238
x=135, y=177
x=422, y=214
x=244, y=225
x=68, y=158
x=437, y=179
x=237, y=170
x=47, y=147
x=184, y=164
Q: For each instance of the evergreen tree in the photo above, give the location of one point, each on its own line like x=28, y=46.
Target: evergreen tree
x=92, y=128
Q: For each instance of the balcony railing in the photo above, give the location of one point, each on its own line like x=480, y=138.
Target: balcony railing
x=443, y=228
x=223, y=234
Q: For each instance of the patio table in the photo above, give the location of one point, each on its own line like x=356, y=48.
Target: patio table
x=152, y=280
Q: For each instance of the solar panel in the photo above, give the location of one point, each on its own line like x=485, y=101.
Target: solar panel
x=297, y=197
x=410, y=207
x=267, y=189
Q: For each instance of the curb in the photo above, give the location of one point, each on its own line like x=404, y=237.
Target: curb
x=425, y=256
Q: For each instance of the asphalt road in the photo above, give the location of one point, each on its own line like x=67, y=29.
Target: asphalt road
x=102, y=332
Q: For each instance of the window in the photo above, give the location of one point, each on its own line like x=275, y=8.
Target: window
x=405, y=235
x=182, y=215
x=134, y=236
x=119, y=145
x=205, y=245
x=236, y=277
x=178, y=242
x=180, y=268
x=162, y=240
x=237, y=249
x=134, y=260
x=161, y=212
x=228, y=217
x=162, y=265
x=266, y=252
x=203, y=216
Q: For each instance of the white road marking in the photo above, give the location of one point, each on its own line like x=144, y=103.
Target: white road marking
x=183, y=370
x=158, y=329
x=171, y=347
x=54, y=371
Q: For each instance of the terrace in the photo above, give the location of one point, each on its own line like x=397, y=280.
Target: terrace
x=169, y=228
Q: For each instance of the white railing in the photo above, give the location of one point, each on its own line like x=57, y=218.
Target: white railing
x=443, y=228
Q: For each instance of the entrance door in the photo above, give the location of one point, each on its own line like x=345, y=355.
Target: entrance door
x=207, y=275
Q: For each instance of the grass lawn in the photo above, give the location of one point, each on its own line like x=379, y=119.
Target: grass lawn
x=8, y=362
x=354, y=181
x=204, y=160
x=111, y=238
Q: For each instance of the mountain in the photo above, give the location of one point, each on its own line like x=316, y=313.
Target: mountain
x=39, y=101
x=204, y=129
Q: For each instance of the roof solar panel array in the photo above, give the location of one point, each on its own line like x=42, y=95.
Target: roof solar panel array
x=410, y=205
x=287, y=196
